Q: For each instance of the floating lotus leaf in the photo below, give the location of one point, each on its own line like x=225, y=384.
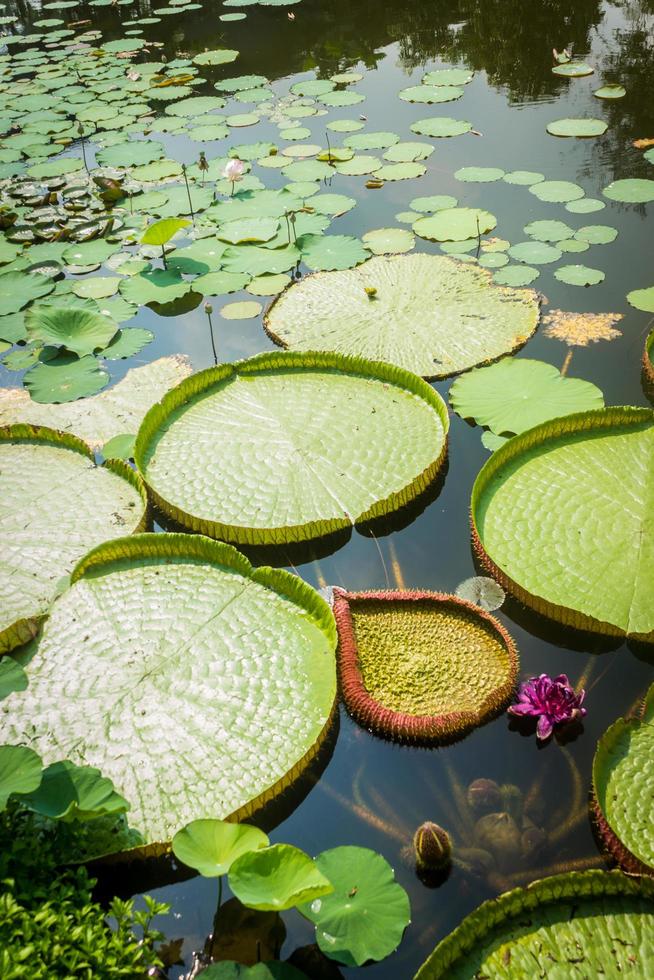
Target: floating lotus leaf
x=120, y=447
x=585, y=205
x=577, y=127
x=455, y=224
x=642, y=299
x=129, y=154
x=428, y=314
x=89, y=253
x=573, y=245
x=406, y=152
x=97, y=287
x=359, y=165
x=579, y=275
x=557, y=191
x=217, y=283
x=441, y=126
x=256, y=260
x=482, y=591
x=421, y=666
x=610, y=92
x=548, y=231
x=481, y=175
x=74, y=793
x=341, y=98
x=597, y=234
x=127, y=343
x=20, y=771
x=56, y=505
x=540, y=253
x=212, y=846
x=221, y=56
x=517, y=394
x=329, y=252
x=448, y=76
x=268, y=285
x=256, y=422
x=371, y=141
x=634, y=190
x=523, y=178
x=435, y=202
x=248, y=230
x=79, y=331
x=98, y=419
x=431, y=93
x=573, y=69
x=64, y=379
x=623, y=789
x=244, y=310
x=400, y=171
x=197, y=625
x=17, y=289
x=332, y=204
x=365, y=916
x=577, y=569
x=160, y=232
x=156, y=286
x=550, y=928
x=385, y=241
x=276, y=878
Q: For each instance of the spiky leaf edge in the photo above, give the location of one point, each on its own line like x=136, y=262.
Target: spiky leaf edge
x=401, y=726
x=597, y=419
x=201, y=383
x=620, y=853
x=648, y=367
x=519, y=903
x=100, y=560
x=24, y=630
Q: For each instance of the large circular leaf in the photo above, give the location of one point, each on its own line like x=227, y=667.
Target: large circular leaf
x=254, y=452
x=17, y=289
x=577, y=127
x=421, y=667
x=200, y=686
x=585, y=484
x=20, y=771
x=623, y=789
x=212, y=846
x=597, y=920
x=455, y=224
x=56, y=504
x=276, y=878
x=80, y=331
x=364, y=918
x=429, y=314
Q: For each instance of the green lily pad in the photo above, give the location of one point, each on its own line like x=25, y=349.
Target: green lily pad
x=523, y=178
x=430, y=94
x=89, y=253
x=515, y=275
x=408, y=152
x=212, y=846
x=119, y=447
x=556, y=191
x=127, y=343
x=480, y=175
x=193, y=606
x=46, y=473
x=12, y=677
x=579, y=275
x=516, y=394
x=241, y=311
x=550, y=922
x=248, y=230
x=448, y=76
x=642, y=299
x=573, y=69
x=371, y=141
x=548, y=231
x=12, y=328
x=332, y=204
x=268, y=285
x=359, y=165
x=599, y=458
x=610, y=92
x=161, y=232
x=634, y=190
x=20, y=771
x=441, y=126
x=455, y=224
x=217, y=283
x=340, y=99
x=64, y=379
x=129, y=154
x=622, y=793
x=70, y=793
x=577, y=127
x=573, y=245
x=436, y=202
x=388, y=241
x=309, y=389
x=220, y=56
x=277, y=878
x=539, y=253
x=365, y=916
x=97, y=287
x=427, y=314
x=400, y=171
x=17, y=289
x=328, y=252
x=597, y=234
x=256, y=260
x=157, y=286
x=79, y=331
x=585, y=205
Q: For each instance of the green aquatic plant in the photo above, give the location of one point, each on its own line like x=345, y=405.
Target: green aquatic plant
x=609, y=449
x=338, y=483
x=276, y=878
x=410, y=667
x=161, y=232
x=622, y=796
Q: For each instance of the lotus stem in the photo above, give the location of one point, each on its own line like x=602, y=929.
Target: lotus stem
x=584, y=677
x=505, y=882
x=381, y=557
x=329, y=148
x=363, y=813
x=320, y=578
x=163, y=256
x=188, y=191
x=566, y=364
x=577, y=809
x=388, y=814
x=208, y=309
x=459, y=795
x=478, y=237
x=395, y=566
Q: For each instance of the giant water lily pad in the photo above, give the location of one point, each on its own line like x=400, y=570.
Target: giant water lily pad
x=153, y=626
x=597, y=921
x=101, y=417
x=421, y=666
x=56, y=504
x=428, y=314
x=516, y=394
x=275, y=466
x=569, y=546
x=623, y=789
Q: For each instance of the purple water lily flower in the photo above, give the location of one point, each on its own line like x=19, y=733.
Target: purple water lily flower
x=550, y=699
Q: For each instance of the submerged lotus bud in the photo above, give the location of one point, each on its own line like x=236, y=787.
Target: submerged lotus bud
x=371, y=291
x=484, y=796
x=208, y=309
x=500, y=834
x=432, y=846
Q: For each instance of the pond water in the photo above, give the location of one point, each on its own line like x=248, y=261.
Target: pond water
x=370, y=792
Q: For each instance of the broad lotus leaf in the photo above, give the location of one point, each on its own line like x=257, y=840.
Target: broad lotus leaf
x=332, y=204
x=127, y=343
x=455, y=224
x=400, y=171
x=597, y=234
x=245, y=230
x=408, y=151
x=448, y=76
x=276, y=878
x=371, y=141
x=99, y=418
x=329, y=252
x=430, y=94
x=156, y=286
x=217, y=283
x=573, y=69
x=480, y=175
x=441, y=126
x=305, y=400
x=623, y=789
x=428, y=314
x=247, y=641
x=96, y=287
x=79, y=331
x=517, y=394
x=557, y=191
x=633, y=190
x=482, y=591
x=20, y=771
x=385, y=241
x=56, y=505
x=585, y=205
x=160, y=232
x=576, y=569
x=268, y=285
x=220, y=56
x=540, y=253
x=119, y=447
x=70, y=793
x=89, y=253
x=64, y=378
x=642, y=299
x=523, y=178
x=579, y=275
x=12, y=328
x=365, y=916
x=556, y=921
x=212, y=846
x=256, y=260
x=12, y=677
x=245, y=310
x=421, y=667
x=17, y=289
x=548, y=231
x=584, y=128
x=610, y=92
x=434, y=202
x=131, y=153
x=362, y=163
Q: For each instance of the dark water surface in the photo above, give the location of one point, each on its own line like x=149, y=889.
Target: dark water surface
x=372, y=793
